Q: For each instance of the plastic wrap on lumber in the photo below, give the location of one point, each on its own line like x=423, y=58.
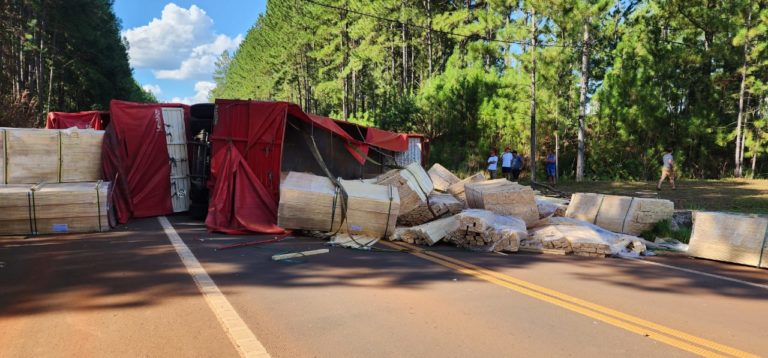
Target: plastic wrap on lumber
x=32, y=156
x=503, y=197
x=308, y=202
x=372, y=209
x=612, y=212
x=584, y=206
x=412, y=184
x=81, y=155
x=442, y=178
x=483, y=230
x=54, y=208
x=730, y=237
x=644, y=213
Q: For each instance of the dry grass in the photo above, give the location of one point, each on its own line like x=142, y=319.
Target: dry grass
x=737, y=195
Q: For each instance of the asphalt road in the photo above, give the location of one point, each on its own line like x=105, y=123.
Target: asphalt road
x=127, y=293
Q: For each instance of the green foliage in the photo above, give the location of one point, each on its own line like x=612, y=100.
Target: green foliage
x=664, y=229
x=61, y=56
x=662, y=72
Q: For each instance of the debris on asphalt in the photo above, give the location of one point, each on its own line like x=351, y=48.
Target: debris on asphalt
x=300, y=254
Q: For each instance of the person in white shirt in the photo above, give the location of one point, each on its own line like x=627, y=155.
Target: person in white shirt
x=506, y=163
x=492, y=161
x=667, y=169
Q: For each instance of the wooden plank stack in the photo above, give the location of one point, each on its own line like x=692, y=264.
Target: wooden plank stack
x=53, y=208
x=483, y=230
x=176, y=140
x=457, y=189
x=310, y=202
x=621, y=214
x=741, y=239
x=547, y=237
x=442, y=178
x=437, y=206
x=503, y=197
x=429, y=233
x=31, y=156
x=413, y=186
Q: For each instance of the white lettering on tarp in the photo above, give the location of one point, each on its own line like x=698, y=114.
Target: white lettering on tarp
x=158, y=121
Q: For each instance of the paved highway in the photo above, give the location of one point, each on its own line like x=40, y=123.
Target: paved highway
x=155, y=291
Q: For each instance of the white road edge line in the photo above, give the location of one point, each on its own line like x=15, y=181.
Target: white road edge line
x=238, y=332
x=765, y=287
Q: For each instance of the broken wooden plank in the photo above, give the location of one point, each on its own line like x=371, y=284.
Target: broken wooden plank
x=295, y=255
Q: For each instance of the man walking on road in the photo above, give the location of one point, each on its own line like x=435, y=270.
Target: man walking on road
x=506, y=164
x=667, y=169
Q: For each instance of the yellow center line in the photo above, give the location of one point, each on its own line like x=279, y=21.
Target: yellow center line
x=622, y=320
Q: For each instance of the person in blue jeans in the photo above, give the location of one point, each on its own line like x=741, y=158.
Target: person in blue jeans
x=551, y=166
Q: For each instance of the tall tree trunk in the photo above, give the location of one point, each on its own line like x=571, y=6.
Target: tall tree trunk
x=429, y=36
x=739, y=155
x=533, y=95
x=404, y=75
x=344, y=62
x=583, y=101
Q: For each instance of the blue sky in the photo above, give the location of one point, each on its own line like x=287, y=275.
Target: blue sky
x=174, y=44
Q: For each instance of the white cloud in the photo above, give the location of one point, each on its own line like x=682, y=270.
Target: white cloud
x=180, y=45
x=154, y=89
x=202, y=89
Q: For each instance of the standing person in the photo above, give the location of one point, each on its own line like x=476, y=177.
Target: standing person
x=492, y=161
x=517, y=165
x=506, y=164
x=551, y=167
x=667, y=169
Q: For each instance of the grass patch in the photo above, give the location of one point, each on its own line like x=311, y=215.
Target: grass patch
x=664, y=229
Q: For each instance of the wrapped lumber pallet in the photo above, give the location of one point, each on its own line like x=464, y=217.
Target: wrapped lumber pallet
x=80, y=155
x=311, y=202
x=429, y=233
x=503, y=197
x=412, y=184
x=437, y=205
x=547, y=237
x=442, y=178
x=457, y=189
x=54, y=208
x=31, y=156
x=584, y=206
x=588, y=239
x=612, y=211
x=483, y=230
x=644, y=213
x=741, y=239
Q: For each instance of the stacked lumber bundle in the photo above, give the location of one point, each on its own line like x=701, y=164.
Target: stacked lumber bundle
x=503, y=197
x=483, y=230
x=621, y=214
x=588, y=239
x=549, y=238
x=313, y=203
x=741, y=239
x=31, y=156
x=550, y=206
x=429, y=233
x=442, y=178
x=176, y=140
x=413, y=186
x=436, y=206
x=53, y=208
x=457, y=189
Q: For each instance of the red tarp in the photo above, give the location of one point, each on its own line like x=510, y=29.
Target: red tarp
x=396, y=142
x=135, y=159
x=82, y=120
x=247, y=145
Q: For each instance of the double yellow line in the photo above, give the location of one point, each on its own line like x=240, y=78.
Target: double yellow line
x=670, y=336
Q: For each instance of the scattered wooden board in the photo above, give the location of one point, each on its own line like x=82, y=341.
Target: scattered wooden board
x=503, y=197
x=429, y=233
x=442, y=178
x=730, y=237
x=295, y=255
